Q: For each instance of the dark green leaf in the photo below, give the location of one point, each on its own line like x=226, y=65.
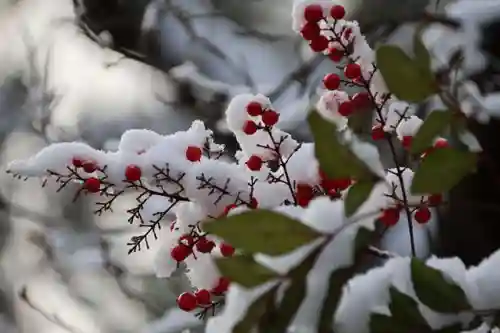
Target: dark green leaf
x=403, y=76
x=434, y=125
x=422, y=56
x=335, y=159
x=262, y=231
x=456, y=328
x=441, y=170
x=356, y=196
x=340, y=277
x=435, y=291
x=404, y=309
x=255, y=312
x=380, y=323
x=361, y=122
x=243, y=269
x=294, y=294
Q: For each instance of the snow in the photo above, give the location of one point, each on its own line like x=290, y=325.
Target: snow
x=195, y=192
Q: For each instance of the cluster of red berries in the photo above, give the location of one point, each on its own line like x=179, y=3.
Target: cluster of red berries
x=304, y=193
x=133, y=173
x=202, y=244
x=422, y=214
x=267, y=116
x=202, y=298
x=311, y=31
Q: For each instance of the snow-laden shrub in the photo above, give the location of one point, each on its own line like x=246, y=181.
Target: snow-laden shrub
x=276, y=241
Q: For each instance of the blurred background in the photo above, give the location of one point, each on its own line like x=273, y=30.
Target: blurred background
x=88, y=70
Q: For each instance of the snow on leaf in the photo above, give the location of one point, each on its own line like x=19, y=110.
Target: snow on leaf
x=434, y=291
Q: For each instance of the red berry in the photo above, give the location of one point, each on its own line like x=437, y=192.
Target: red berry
x=222, y=285
x=253, y=203
x=228, y=208
x=319, y=44
x=226, y=250
x=441, y=143
x=378, y=132
x=187, y=301
x=346, y=108
x=362, y=100
x=89, y=167
x=304, y=194
x=180, y=252
x=250, y=127
x=435, y=199
x=193, y=153
x=254, y=109
x=204, y=245
x=77, y=163
x=203, y=297
x=422, y=215
x=270, y=118
x=352, y=71
x=342, y=184
x=331, y=81
x=335, y=55
x=334, y=194
x=337, y=12
x=187, y=240
x=310, y=31
x=406, y=141
x=254, y=163
x=133, y=173
x=313, y=13
x=390, y=216
x=92, y=184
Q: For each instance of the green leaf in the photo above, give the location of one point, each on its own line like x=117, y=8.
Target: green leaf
x=360, y=122
x=294, y=294
x=435, y=124
x=404, y=309
x=335, y=159
x=243, y=269
x=441, y=170
x=255, y=311
x=403, y=76
x=380, y=323
x=456, y=328
x=422, y=56
x=339, y=278
x=435, y=291
x=356, y=196
x=262, y=231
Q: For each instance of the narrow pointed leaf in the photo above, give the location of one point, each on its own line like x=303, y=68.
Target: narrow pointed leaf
x=435, y=291
x=243, y=269
x=441, y=170
x=356, y=196
x=405, y=309
x=335, y=159
x=434, y=125
x=255, y=312
x=403, y=76
x=262, y=231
